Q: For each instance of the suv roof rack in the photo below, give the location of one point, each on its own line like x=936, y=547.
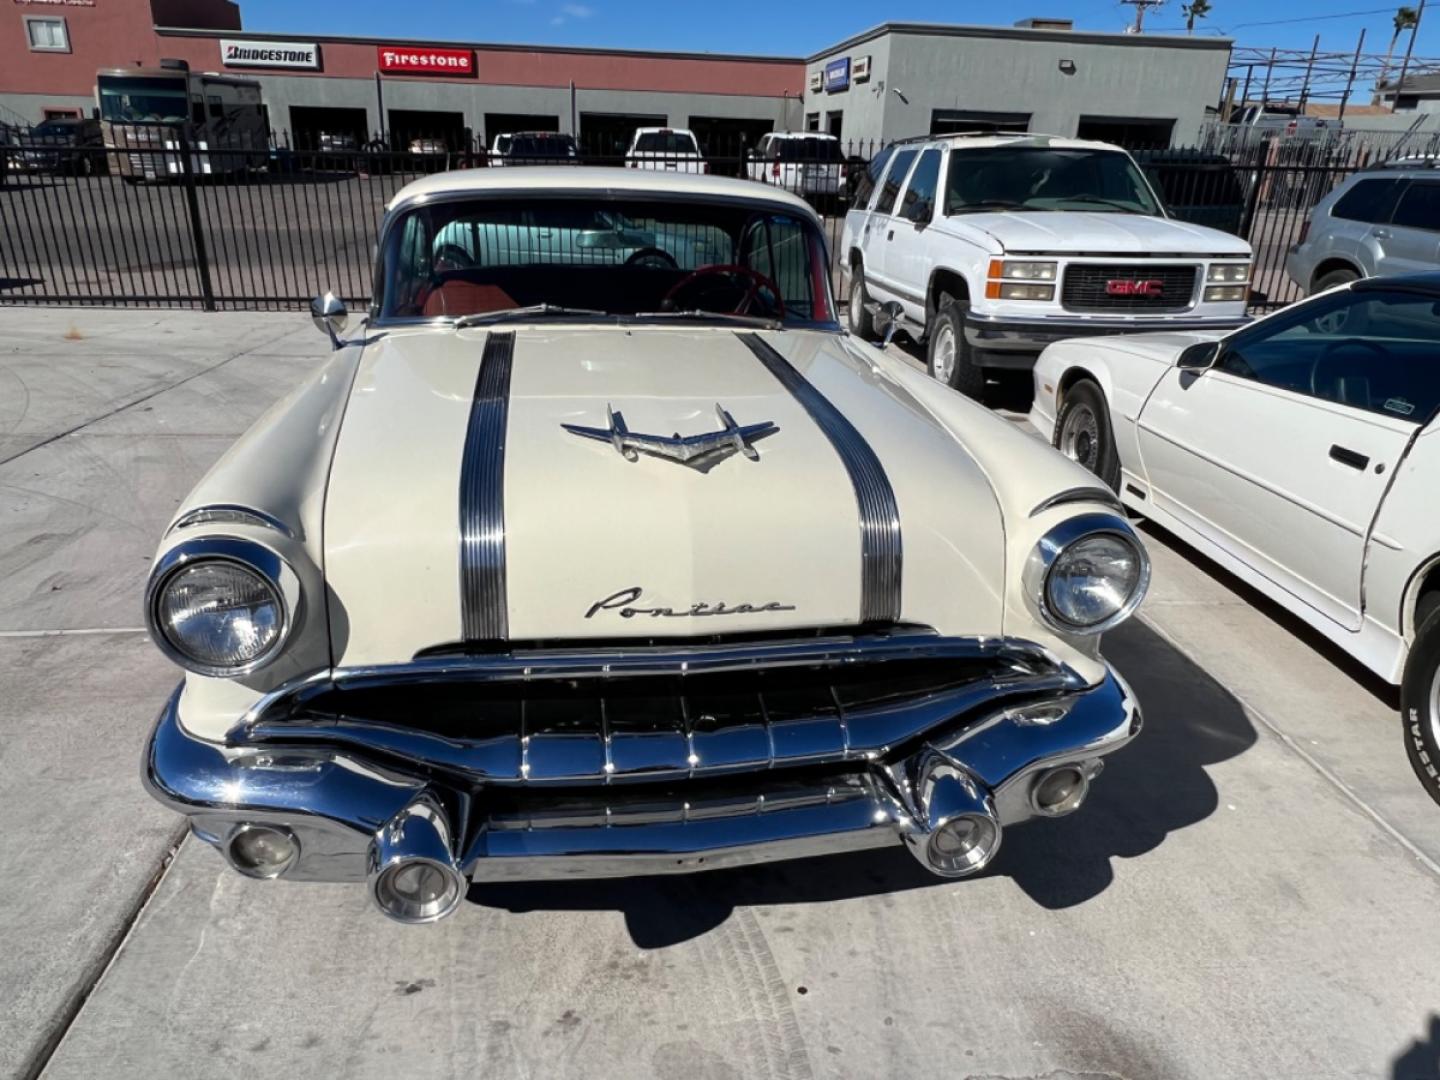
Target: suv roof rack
x=978, y=134
x=1420, y=161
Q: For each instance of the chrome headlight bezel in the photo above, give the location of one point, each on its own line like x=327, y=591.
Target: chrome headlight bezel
x=1047, y=552
x=249, y=555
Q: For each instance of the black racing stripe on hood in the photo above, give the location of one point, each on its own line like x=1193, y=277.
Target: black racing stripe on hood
x=881, y=559
x=483, y=612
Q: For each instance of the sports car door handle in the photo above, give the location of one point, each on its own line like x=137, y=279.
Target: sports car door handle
x=1349, y=457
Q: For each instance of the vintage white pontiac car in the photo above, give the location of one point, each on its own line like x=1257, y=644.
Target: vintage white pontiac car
x=564, y=566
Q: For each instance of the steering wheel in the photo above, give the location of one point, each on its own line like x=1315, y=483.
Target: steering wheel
x=1316, y=383
x=757, y=281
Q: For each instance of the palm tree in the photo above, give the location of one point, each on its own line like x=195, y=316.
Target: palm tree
x=1405, y=19
x=1196, y=9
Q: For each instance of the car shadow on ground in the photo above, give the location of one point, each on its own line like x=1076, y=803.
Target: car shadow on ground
x=1291, y=624
x=1155, y=786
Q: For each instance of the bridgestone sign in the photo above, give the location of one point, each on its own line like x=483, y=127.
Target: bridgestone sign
x=270, y=54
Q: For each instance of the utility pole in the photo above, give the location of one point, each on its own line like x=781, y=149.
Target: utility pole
x=1140, y=6
x=1350, y=82
x=1419, y=14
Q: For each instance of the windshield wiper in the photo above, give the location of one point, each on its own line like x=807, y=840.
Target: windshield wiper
x=986, y=204
x=767, y=322
x=484, y=318
x=1103, y=202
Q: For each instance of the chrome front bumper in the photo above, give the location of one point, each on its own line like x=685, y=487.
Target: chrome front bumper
x=339, y=804
x=1013, y=341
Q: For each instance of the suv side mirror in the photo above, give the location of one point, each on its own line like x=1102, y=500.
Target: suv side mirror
x=330, y=316
x=1199, y=357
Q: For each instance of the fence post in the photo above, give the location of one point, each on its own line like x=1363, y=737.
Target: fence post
x=197, y=229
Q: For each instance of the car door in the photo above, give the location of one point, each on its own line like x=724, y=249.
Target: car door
x=1281, y=452
x=907, y=259
x=879, y=231
x=1410, y=242
x=1350, y=229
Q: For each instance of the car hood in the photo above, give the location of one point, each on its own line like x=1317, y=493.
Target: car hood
x=765, y=545
x=1070, y=232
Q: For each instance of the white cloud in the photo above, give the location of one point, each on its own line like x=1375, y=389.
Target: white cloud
x=577, y=11
x=558, y=20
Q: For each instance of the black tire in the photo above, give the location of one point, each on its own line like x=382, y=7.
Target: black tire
x=862, y=325
x=1082, y=432
x=1342, y=276
x=1420, y=697
x=946, y=338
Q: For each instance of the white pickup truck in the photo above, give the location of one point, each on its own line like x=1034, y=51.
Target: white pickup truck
x=665, y=150
x=994, y=246
x=805, y=162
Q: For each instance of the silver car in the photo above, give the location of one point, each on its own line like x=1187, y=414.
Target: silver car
x=1377, y=223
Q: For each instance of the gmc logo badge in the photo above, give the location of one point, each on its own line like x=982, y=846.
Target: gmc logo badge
x=1135, y=288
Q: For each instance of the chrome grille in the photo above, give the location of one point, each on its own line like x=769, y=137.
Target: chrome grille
x=1091, y=287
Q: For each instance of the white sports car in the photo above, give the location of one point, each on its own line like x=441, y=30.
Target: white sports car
x=1299, y=453
x=569, y=567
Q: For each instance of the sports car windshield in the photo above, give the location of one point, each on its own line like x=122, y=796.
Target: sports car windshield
x=561, y=256
x=1041, y=178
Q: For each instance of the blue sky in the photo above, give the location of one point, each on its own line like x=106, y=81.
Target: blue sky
x=798, y=27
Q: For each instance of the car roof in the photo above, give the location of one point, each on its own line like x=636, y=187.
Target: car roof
x=663, y=130
x=1427, y=284
x=801, y=135
x=980, y=140
x=594, y=178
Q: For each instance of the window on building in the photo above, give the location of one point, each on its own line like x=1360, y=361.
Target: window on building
x=1127, y=131
x=46, y=34
x=61, y=114
x=946, y=121
x=812, y=121
x=833, y=123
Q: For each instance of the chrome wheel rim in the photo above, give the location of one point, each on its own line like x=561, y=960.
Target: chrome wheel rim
x=943, y=356
x=1080, y=437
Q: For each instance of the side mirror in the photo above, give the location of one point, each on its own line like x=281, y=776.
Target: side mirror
x=1199, y=357
x=888, y=321
x=923, y=213
x=330, y=316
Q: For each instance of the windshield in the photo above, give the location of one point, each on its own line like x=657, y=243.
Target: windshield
x=665, y=142
x=1041, y=178
x=58, y=127
x=620, y=257
x=139, y=100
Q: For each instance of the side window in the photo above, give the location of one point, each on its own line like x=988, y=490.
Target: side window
x=890, y=190
x=217, y=110
x=870, y=180
x=1368, y=201
x=919, y=201
x=1375, y=351
x=197, y=112
x=1419, y=206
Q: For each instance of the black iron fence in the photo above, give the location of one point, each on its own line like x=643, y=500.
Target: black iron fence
x=185, y=223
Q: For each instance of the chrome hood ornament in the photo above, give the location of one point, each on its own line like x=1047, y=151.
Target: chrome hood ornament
x=698, y=451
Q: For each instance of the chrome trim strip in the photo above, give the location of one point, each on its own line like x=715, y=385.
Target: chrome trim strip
x=1103, y=496
x=483, y=611
x=881, y=555
x=230, y=514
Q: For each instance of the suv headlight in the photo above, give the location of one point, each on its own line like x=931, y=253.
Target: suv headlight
x=221, y=606
x=1087, y=574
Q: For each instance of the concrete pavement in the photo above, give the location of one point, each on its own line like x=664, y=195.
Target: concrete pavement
x=1249, y=892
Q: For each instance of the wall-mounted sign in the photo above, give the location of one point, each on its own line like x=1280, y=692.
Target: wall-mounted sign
x=837, y=75
x=860, y=69
x=414, y=60
x=817, y=81
x=270, y=54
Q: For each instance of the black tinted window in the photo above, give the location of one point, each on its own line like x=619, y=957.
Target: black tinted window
x=871, y=177
x=1419, y=206
x=665, y=142
x=893, y=179
x=1370, y=350
x=1369, y=200
x=919, y=201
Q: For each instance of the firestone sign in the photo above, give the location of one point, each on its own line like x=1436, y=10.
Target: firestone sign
x=411, y=60
x=270, y=54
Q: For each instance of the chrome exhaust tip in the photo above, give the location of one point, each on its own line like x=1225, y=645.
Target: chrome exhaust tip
x=412, y=873
x=260, y=851
x=1060, y=790
x=958, y=833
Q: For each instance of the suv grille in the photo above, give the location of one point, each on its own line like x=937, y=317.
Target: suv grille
x=1128, y=287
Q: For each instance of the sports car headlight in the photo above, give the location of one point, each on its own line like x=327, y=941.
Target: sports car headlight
x=1087, y=574
x=221, y=606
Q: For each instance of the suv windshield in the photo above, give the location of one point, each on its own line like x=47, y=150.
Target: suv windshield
x=1041, y=178
x=620, y=257
x=665, y=142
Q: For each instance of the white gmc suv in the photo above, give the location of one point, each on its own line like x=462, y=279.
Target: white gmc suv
x=997, y=245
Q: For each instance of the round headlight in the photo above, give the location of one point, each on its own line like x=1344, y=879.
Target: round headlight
x=215, y=611
x=1088, y=574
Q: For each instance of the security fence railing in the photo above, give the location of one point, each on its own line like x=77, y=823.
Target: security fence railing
x=171, y=222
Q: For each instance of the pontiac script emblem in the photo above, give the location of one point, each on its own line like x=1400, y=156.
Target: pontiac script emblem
x=697, y=451
x=622, y=602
